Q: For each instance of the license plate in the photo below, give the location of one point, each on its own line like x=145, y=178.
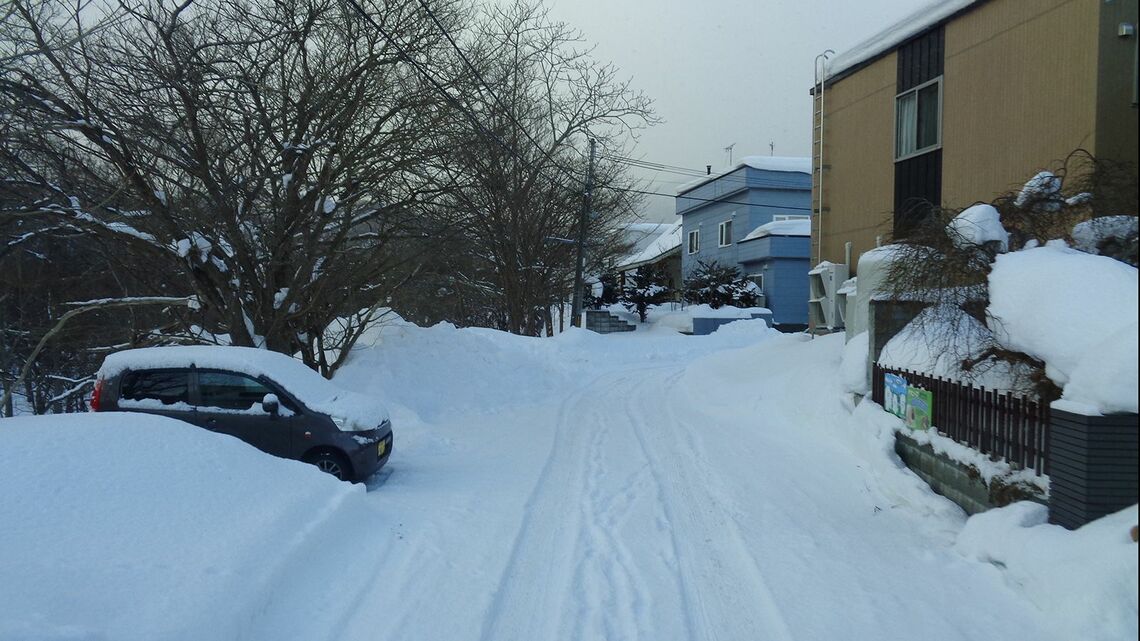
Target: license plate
x=381, y=448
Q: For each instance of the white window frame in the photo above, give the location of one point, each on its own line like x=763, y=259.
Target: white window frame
x=722, y=236
x=757, y=278
x=929, y=148
x=781, y=217
x=694, y=245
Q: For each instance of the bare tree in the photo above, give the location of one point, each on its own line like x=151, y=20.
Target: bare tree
x=518, y=176
x=264, y=156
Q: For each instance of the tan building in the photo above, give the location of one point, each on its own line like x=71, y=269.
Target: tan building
x=961, y=102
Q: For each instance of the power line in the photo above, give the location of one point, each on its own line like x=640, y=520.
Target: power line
x=443, y=91
x=478, y=125
x=485, y=86
x=709, y=200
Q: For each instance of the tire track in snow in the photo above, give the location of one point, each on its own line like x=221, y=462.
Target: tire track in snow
x=615, y=606
x=524, y=606
x=712, y=545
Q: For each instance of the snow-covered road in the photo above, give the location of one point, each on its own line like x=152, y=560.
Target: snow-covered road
x=646, y=486
x=678, y=498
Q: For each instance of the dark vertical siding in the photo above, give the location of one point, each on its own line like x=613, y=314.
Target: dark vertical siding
x=918, y=180
x=918, y=188
x=921, y=59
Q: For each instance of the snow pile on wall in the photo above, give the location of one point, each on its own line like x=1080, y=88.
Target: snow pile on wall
x=1084, y=580
x=976, y=226
x=935, y=343
x=1078, y=314
x=137, y=527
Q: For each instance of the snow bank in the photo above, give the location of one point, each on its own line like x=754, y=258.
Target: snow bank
x=1105, y=378
x=359, y=412
x=1084, y=581
x=853, y=367
x=976, y=226
x=1062, y=306
x=681, y=320
x=937, y=341
x=134, y=527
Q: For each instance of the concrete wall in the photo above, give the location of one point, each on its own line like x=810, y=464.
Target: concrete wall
x=957, y=482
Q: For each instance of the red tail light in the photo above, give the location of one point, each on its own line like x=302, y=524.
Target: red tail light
x=96, y=394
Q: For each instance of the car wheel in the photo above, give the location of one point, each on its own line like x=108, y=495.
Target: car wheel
x=331, y=463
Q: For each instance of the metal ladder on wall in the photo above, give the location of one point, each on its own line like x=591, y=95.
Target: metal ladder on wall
x=817, y=166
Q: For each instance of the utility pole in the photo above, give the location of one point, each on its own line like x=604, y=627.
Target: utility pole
x=587, y=202
x=729, y=150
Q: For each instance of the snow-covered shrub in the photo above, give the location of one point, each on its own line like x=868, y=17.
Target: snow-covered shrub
x=716, y=286
x=1112, y=236
x=945, y=262
x=649, y=285
x=606, y=291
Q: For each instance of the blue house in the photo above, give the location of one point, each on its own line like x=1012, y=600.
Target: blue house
x=755, y=216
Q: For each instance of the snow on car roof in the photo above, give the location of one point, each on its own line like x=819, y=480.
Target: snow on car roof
x=309, y=387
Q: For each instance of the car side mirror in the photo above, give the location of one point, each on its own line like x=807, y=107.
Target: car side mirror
x=270, y=404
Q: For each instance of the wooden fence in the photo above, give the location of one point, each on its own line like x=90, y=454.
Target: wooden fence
x=1003, y=425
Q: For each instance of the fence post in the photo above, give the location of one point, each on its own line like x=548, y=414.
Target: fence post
x=1092, y=466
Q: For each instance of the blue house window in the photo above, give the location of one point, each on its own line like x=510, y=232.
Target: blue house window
x=725, y=233
x=694, y=241
x=758, y=279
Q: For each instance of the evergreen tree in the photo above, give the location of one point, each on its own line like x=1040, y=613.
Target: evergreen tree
x=649, y=285
x=717, y=286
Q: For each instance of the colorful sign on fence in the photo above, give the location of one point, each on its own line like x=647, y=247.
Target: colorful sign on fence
x=894, y=394
x=919, y=407
x=914, y=405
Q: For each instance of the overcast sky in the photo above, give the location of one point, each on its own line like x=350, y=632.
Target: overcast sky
x=723, y=71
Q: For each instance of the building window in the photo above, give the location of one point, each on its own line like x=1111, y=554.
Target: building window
x=694, y=241
x=918, y=120
x=758, y=279
x=724, y=235
x=779, y=217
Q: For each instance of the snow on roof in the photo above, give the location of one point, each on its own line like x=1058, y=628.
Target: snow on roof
x=800, y=227
x=896, y=34
x=319, y=394
x=641, y=234
x=666, y=241
x=796, y=164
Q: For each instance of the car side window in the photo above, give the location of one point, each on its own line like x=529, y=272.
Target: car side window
x=228, y=391
x=168, y=387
